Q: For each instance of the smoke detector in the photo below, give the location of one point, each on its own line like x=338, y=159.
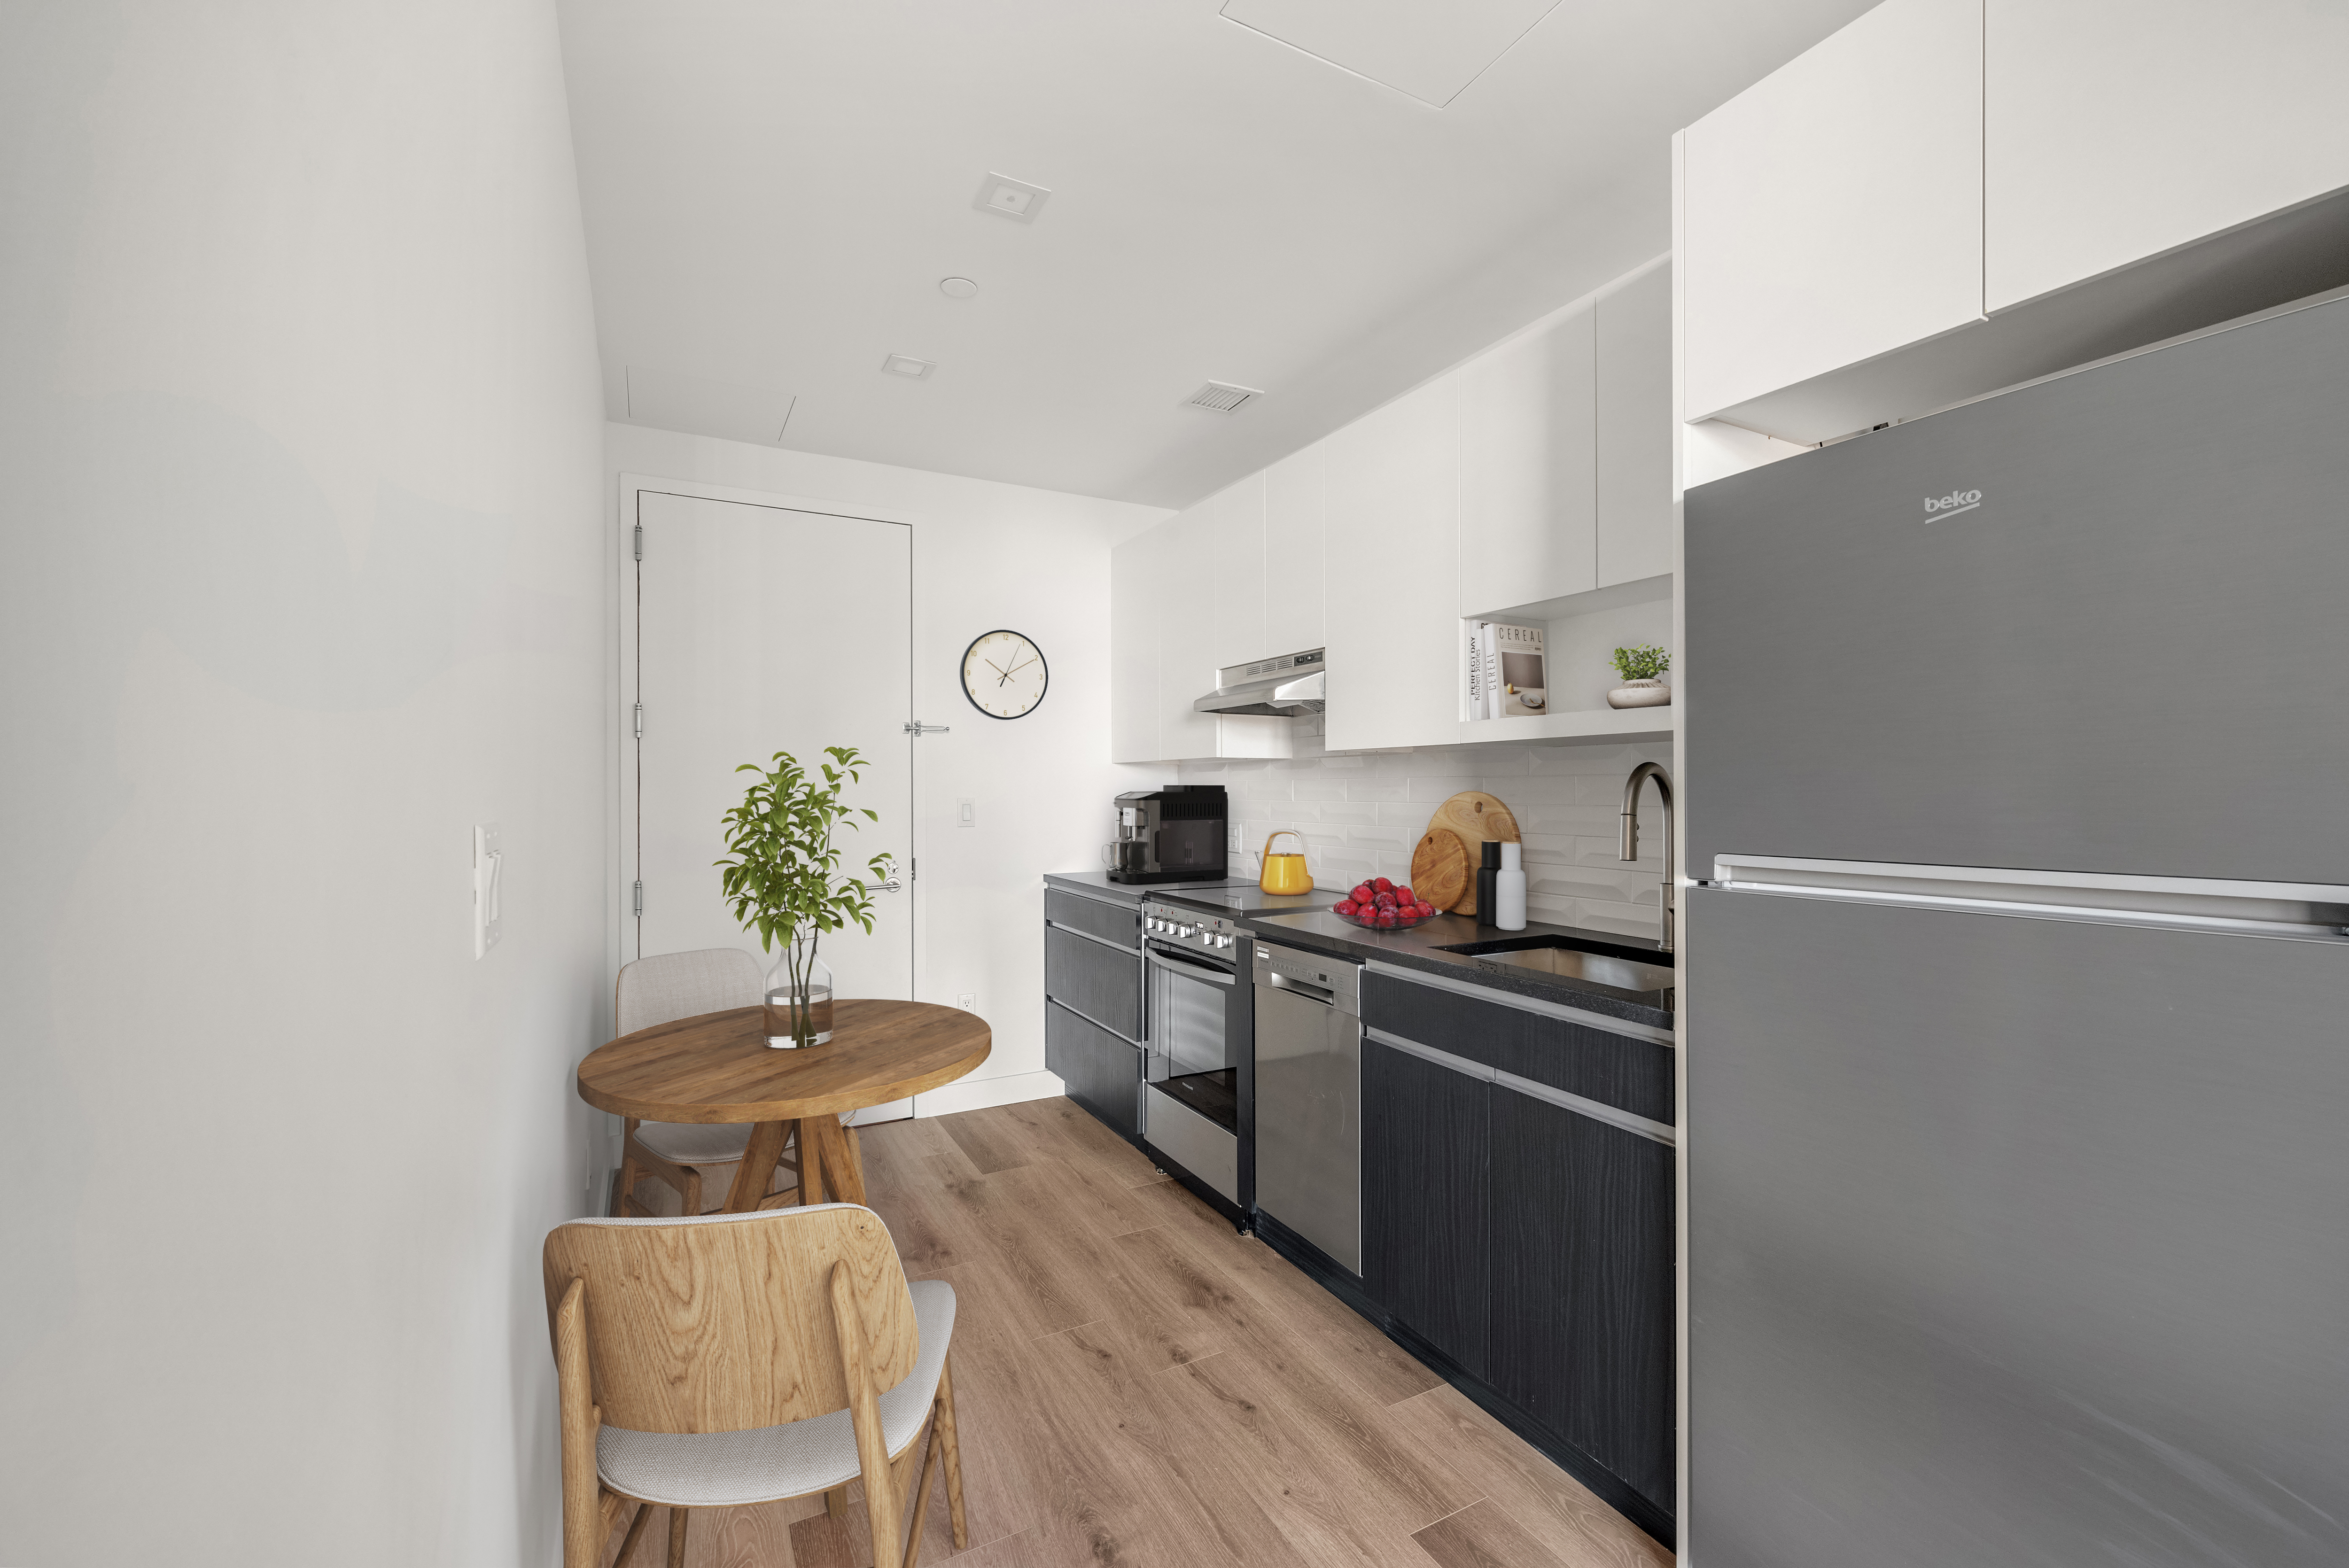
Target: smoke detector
x=907, y=365
x=1222, y=397
x=1009, y=198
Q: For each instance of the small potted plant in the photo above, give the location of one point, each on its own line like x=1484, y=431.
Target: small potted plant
x=1640, y=689
x=785, y=884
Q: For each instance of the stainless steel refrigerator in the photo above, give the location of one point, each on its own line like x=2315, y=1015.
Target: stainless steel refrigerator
x=2017, y=990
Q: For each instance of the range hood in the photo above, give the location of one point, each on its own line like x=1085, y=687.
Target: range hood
x=1286, y=686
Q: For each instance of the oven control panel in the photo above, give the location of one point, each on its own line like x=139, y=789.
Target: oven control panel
x=1179, y=927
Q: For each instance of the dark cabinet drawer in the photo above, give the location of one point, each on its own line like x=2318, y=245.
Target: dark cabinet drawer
x=1090, y=977
x=1580, y=1331
x=1098, y=1071
x=1426, y=1130
x=1618, y=1069
x=1118, y=922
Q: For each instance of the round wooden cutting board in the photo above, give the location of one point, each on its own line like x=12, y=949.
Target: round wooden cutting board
x=1473, y=817
x=1439, y=868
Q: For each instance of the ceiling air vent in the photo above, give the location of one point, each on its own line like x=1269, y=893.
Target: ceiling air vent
x=1223, y=398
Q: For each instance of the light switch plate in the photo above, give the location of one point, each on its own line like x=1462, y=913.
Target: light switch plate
x=489, y=863
x=965, y=813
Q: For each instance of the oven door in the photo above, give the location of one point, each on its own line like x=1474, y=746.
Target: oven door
x=1194, y=1051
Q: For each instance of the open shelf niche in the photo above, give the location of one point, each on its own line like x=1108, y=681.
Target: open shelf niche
x=1579, y=634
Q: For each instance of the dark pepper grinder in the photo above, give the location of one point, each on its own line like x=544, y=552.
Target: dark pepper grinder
x=1488, y=878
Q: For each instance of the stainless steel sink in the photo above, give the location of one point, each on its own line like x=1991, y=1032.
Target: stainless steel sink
x=1553, y=955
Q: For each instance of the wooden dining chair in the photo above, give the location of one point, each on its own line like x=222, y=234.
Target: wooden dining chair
x=721, y=1360
x=689, y=1159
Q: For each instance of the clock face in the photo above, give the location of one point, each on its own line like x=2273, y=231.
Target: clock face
x=1003, y=675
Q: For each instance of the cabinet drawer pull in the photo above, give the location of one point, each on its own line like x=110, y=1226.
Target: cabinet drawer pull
x=1460, y=1065
x=1596, y=1110
x=1089, y=936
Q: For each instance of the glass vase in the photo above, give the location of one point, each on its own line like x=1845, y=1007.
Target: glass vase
x=799, y=999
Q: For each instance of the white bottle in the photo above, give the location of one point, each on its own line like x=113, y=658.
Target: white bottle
x=1509, y=889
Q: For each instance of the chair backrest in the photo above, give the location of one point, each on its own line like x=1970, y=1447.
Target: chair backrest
x=683, y=984
x=724, y=1323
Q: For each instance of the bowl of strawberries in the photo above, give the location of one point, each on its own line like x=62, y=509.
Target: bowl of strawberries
x=1380, y=904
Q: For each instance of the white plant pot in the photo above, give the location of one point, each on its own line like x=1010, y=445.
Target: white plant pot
x=1640, y=693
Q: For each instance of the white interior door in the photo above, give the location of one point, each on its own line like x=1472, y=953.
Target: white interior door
x=761, y=629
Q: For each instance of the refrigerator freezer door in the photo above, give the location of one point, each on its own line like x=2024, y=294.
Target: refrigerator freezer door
x=2094, y=625
x=2013, y=1241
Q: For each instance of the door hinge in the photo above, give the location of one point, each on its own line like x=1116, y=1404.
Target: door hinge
x=640, y=541
x=918, y=730
x=640, y=721
x=640, y=901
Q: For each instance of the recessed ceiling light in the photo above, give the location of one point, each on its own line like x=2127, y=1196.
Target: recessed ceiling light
x=958, y=288
x=907, y=364
x=1012, y=198
x=1222, y=397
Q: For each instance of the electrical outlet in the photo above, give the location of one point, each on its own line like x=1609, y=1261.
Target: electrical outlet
x=1231, y=840
x=968, y=1001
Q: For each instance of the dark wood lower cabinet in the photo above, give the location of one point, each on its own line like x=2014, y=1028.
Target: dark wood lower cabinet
x=1529, y=1246
x=1092, y=977
x=1580, y=1334
x=1427, y=1199
x=1098, y=1071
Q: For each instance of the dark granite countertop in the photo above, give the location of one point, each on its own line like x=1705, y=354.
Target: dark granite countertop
x=1304, y=921
x=1096, y=884
x=1421, y=948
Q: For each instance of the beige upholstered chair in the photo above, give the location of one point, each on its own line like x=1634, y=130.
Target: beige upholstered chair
x=718, y=1360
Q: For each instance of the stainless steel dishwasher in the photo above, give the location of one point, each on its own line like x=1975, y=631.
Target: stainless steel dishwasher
x=1309, y=1098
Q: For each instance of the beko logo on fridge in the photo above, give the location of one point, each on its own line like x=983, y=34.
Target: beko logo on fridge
x=1951, y=504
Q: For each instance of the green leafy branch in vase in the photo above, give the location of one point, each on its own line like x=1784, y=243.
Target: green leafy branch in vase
x=784, y=878
x=1642, y=664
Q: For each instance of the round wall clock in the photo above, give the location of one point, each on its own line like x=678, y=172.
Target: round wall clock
x=1003, y=675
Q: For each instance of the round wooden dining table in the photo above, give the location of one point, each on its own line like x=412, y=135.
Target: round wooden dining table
x=718, y=1067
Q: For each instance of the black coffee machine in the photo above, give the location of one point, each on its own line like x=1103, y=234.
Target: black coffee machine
x=1169, y=835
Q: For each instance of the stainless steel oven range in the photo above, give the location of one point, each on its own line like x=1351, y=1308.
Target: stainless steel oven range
x=1198, y=1097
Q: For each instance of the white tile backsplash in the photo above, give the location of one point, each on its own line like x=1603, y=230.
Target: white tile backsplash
x=1361, y=812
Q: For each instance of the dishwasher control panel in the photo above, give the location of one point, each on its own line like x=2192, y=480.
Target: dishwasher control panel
x=1340, y=976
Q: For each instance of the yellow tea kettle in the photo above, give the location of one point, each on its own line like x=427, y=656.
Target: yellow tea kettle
x=1286, y=872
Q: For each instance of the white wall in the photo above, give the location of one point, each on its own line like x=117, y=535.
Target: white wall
x=1362, y=812
x=984, y=556
x=300, y=426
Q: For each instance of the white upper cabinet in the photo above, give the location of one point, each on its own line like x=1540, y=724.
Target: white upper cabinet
x=1392, y=512
x=1293, y=587
x=1238, y=523
x=2117, y=129
x=1186, y=592
x=1832, y=211
x=1134, y=606
x=1528, y=486
x=1633, y=426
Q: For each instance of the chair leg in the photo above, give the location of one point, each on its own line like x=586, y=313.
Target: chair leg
x=677, y=1517
x=627, y=1183
x=636, y=1529
x=692, y=1190
x=922, y=1497
x=952, y=1452
x=835, y=1502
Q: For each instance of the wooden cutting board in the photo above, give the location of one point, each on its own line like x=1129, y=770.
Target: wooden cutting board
x=1439, y=869
x=1473, y=817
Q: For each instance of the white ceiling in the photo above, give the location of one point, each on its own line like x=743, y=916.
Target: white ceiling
x=775, y=188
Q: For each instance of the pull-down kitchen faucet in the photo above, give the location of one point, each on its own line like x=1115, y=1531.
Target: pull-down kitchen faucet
x=1630, y=848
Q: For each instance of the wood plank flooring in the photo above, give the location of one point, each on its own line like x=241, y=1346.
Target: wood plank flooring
x=1138, y=1386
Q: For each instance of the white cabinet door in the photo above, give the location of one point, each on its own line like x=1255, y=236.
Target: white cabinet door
x=1185, y=596
x=1134, y=576
x=1238, y=526
x=1392, y=487
x=1832, y=211
x=2117, y=129
x=1294, y=563
x=1526, y=499
x=1634, y=422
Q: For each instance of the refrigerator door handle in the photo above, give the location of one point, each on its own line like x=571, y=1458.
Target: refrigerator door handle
x=2304, y=911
